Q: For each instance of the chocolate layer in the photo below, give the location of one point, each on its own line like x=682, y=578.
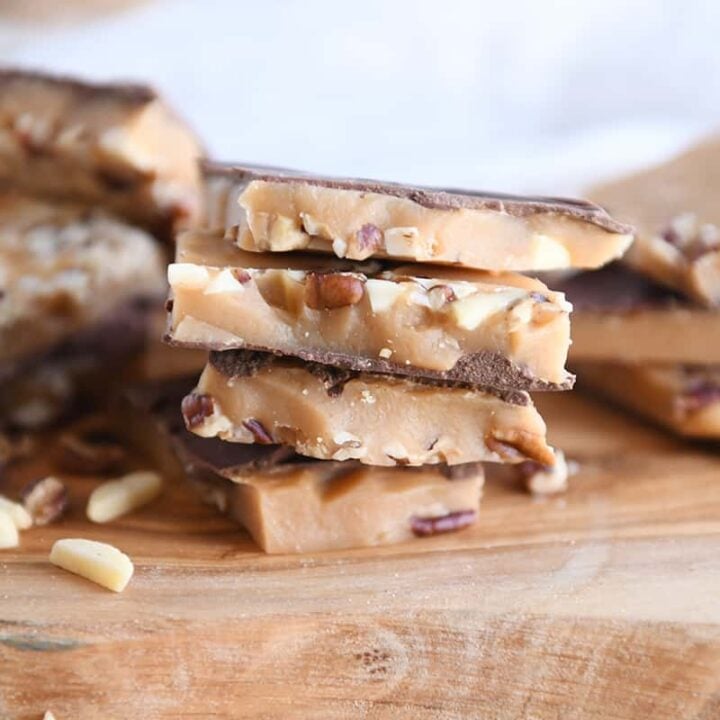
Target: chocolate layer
x=128, y=92
x=616, y=288
x=484, y=371
x=431, y=197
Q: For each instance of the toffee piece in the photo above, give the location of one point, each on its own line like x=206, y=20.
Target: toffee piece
x=114, y=146
x=335, y=415
x=359, y=219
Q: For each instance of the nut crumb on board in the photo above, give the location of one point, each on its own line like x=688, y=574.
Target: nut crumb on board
x=45, y=499
x=547, y=479
x=17, y=512
x=9, y=536
x=116, y=498
x=99, y=562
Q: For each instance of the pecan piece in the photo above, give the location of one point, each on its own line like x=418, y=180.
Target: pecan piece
x=440, y=295
x=195, y=408
x=261, y=435
x=45, y=499
x=242, y=276
x=368, y=239
x=541, y=479
x=332, y=290
x=424, y=526
x=699, y=394
x=507, y=451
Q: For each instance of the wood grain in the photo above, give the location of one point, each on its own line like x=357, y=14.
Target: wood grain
x=599, y=604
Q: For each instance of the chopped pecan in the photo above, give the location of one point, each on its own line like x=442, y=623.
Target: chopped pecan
x=541, y=479
x=439, y=295
x=368, y=239
x=195, y=408
x=692, y=238
x=507, y=451
x=45, y=499
x=699, y=394
x=424, y=526
x=261, y=435
x=242, y=276
x=528, y=468
x=325, y=291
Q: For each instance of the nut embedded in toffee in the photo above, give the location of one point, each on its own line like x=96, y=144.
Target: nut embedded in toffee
x=699, y=393
x=261, y=435
x=327, y=291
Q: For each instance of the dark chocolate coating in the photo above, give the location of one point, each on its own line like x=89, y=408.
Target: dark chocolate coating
x=616, y=288
x=485, y=371
x=127, y=92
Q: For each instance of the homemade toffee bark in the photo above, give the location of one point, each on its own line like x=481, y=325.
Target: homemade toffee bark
x=63, y=269
x=39, y=391
x=115, y=146
x=289, y=504
x=358, y=219
x=504, y=331
x=333, y=414
x=332, y=506
x=620, y=315
x=685, y=399
x=675, y=210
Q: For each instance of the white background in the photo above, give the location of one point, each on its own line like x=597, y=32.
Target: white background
x=507, y=95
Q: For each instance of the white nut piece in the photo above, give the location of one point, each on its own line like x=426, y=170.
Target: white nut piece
x=339, y=247
x=550, y=480
x=382, y=294
x=313, y=226
x=285, y=235
x=223, y=282
x=9, y=537
x=401, y=240
x=187, y=275
x=102, y=563
x=475, y=309
x=115, y=498
x=19, y=515
x=549, y=254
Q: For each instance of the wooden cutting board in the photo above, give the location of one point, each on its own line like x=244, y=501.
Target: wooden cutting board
x=603, y=603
